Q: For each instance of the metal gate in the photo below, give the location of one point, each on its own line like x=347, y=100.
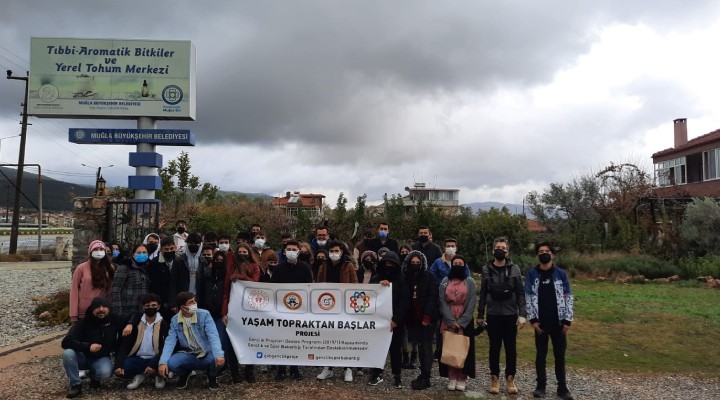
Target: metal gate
x=128, y=222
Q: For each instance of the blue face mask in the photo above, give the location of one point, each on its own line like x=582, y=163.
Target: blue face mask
x=382, y=234
x=141, y=258
x=116, y=253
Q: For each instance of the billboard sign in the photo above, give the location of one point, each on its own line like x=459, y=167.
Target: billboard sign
x=168, y=137
x=111, y=78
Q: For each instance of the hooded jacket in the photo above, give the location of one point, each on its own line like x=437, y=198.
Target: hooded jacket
x=399, y=287
x=90, y=330
x=347, y=273
x=155, y=253
x=361, y=268
x=515, y=304
x=82, y=291
x=422, y=291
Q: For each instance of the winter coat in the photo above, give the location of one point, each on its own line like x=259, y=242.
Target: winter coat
x=511, y=302
x=90, y=330
x=421, y=289
x=563, y=294
x=129, y=345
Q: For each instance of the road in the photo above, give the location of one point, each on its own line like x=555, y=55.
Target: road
x=29, y=242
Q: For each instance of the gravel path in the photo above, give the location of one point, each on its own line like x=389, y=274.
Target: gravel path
x=17, y=324
x=45, y=378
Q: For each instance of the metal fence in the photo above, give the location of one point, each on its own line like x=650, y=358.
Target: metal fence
x=128, y=222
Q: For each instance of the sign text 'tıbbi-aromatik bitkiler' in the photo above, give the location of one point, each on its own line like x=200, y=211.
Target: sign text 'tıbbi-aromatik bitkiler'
x=320, y=324
x=111, y=78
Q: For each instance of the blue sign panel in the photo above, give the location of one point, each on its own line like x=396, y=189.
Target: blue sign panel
x=168, y=137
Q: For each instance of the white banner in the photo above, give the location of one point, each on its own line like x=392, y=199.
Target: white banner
x=316, y=324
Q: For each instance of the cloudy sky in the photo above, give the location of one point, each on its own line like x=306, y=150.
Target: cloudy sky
x=495, y=98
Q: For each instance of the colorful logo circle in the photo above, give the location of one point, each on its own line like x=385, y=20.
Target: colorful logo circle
x=359, y=302
x=292, y=301
x=172, y=94
x=326, y=301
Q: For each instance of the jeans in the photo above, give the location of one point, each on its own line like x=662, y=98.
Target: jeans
x=424, y=336
x=135, y=365
x=74, y=361
x=230, y=358
x=559, y=343
x=502, y=330
x=184, y=363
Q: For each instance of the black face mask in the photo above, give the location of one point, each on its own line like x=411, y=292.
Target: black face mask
x=208, y=259
x=545, y=258
x=319, y=261
x=169, y=255
x=243, y=257
x=193, y=248
x=402, y=258
x=304, y=257
x=219, y=264
x=151, y=247
x=181, y=229
x=457, y=272
x=150, y=311
x=423, y=238
x=499, y=254
x=413, y=267
x=368, y=264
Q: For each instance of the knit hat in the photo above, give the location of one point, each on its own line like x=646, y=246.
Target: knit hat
x=95, y=244
x=370, y=253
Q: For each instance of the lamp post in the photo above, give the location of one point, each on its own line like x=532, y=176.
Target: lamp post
x=15, y=228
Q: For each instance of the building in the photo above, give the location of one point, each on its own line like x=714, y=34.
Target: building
x=691, y=168
x=295, y=201
x=447, y=199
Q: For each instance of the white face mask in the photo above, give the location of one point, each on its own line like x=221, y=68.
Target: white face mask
x=291, y=255
x=321, y=243
x=335, y=256
x=450, y=251
x=192, y=309
x=98, y=254
x=224, y=247
x=259, y=243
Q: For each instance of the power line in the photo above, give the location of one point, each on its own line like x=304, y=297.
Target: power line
x=17, y=56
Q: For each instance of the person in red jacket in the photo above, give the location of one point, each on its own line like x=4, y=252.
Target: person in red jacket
x=91, y=279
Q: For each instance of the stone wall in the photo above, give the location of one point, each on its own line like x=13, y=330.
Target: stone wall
x=89, y=224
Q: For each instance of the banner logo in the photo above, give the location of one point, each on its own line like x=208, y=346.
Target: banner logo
x=326, y=301
x=172, y=94
x=359, y=302
x=258, y=299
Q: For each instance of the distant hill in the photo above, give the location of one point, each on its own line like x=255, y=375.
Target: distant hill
x=487, y=205
x=56, y=194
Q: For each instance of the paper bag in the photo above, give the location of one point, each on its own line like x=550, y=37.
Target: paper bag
x=454, y=349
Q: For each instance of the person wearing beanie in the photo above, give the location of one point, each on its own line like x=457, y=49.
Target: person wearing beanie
x=89, y=343
x=368, y=266
x=92, y=278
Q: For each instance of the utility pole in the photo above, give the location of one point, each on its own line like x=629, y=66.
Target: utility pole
x=15, y=228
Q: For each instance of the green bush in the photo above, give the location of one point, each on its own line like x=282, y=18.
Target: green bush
x=614, y=263
x=691, y=267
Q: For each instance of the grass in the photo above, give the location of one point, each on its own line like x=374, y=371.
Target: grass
x=668, y=328
x=57, y=305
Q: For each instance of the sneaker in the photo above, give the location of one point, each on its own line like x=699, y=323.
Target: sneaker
x=325, y=374
x=398, y=382
x=539, y=392
x=83, y=373
x=183, y=381
x=74, y=391
x=452, y=385
x=137, y=380
x=461, y=386
x=348, y=375
x=171, y=375
x=359, y=372
x=565, y=394
x=159, y=382
x=375, y=380
x=296, y=375
x=213, y=383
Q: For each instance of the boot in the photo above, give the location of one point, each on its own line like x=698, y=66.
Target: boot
x=510, y=385
x=250, y=373
x=421, y=382
x=413, y=360
x=235, y=373
x=74, y=391
x=494, y=384
x=539, y=392
x=405, y=360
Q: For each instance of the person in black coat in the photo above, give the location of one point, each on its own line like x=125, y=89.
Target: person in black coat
x=89, y=343
x=389, y=271
x=423, y=313
x=137, y=358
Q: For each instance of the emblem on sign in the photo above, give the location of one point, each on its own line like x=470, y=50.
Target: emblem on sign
x=326, y=301
x=292, y=301
x=359, y=302
x=258, y=299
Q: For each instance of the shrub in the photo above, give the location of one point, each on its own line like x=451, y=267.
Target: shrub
x=691, y=267
x=58, y=307
x=615, y=262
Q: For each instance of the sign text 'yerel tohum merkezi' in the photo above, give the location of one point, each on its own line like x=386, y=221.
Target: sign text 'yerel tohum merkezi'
x=110, y=78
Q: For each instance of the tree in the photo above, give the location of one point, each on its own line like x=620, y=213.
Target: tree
x=701, y=225
x=180, y=187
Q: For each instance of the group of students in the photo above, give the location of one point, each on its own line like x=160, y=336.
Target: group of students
x=163, y=309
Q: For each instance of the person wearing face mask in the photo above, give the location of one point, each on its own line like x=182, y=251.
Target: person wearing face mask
x=188, y=266
x=166, y=280
x=139, y=351
x=321, y=258
x=404, y=251
x=88, y=345
x=549, y=302
x=502, y=299
x=130, y=284
x=180, y=235
x=441, y=267
x=368, y=266
x=425, y=245
x=192, y=344
x=207, y=253
x=92, y=278
x=283, y=239
x=291, y=271
x=117, y=254
x=422, y=316
x=152, y=244
x=458, y=295
x=260, y=248
x=339, y=270
x=389, y=271
x=321, y=238
x=383, y=239
x=266, y=271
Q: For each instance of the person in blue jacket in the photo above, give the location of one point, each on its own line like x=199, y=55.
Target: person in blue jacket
x=194, y=333
x=549, y=304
